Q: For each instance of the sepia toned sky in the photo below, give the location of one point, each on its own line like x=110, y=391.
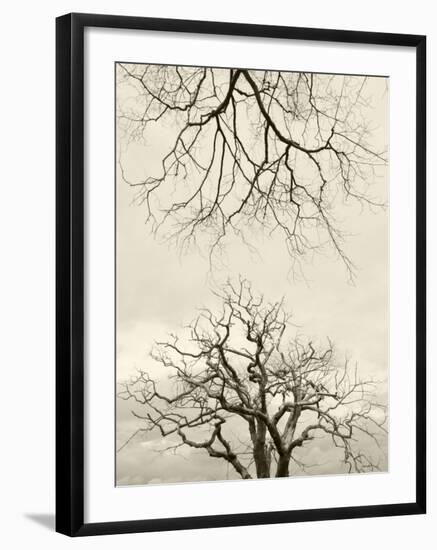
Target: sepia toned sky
x=158, y=291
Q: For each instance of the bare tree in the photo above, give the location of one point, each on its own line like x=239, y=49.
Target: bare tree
x=246, y=392
x=251, y=151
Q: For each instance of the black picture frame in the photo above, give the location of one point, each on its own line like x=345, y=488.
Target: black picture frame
x=70, y=273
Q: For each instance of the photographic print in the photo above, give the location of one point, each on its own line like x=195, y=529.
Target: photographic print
x=252, y=268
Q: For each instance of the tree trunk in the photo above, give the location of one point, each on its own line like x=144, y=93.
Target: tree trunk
x=262, y=460
x=282, y=469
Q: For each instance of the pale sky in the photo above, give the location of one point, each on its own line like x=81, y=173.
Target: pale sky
x=158, y=291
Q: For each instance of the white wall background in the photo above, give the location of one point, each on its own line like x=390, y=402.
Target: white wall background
x=27, y=121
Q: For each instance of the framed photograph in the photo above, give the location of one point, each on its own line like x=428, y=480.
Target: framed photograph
x=240, y=274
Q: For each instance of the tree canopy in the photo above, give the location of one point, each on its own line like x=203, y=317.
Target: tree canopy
x=249, y=152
